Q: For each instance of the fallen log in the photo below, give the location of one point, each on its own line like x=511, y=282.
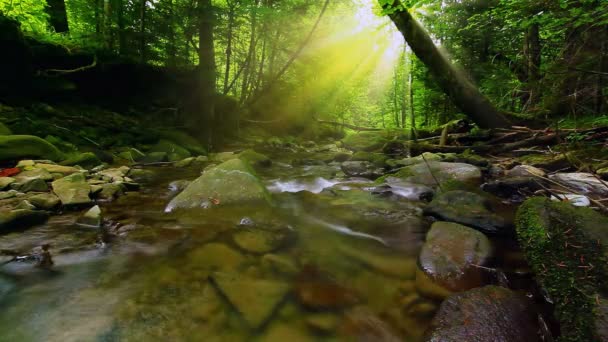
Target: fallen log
x=353, y=127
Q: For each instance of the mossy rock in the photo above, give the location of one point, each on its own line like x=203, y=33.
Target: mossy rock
x=434, y=173
x=255, y=158
x=365, y=141
x=378, y=159
x=566, y=248
x=14, y=147
x=5, y=130
x=547, y=161
x=232, y=182
x=87, y=160
x=174, y=151
x=185, y=140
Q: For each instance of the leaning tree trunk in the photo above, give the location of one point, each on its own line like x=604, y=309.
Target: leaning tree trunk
x=205, y=118
x=463, y=93
x=58, y=15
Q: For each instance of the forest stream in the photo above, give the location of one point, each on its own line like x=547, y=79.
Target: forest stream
x=334, y=258
x=303, y=170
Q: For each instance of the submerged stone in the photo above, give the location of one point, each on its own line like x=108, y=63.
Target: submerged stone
x=450, y=258
x=21, y=219
x=255, y=299
x=260, y=241
x=467, y=208
x=232, y=182
x=489, y=313
x=396, y=266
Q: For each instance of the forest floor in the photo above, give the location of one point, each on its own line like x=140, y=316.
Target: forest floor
x=369, y=235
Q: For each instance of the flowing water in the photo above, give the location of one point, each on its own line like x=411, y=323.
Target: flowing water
x=332, y=260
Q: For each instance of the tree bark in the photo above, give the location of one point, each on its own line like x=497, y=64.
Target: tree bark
x=142, y=32
x=231, y=15
x=463, y=93
x=58, y=16
x=120, y=14
x=171, y=48
x=206, y=117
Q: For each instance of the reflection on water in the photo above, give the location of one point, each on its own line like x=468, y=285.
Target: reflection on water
x=332, y=261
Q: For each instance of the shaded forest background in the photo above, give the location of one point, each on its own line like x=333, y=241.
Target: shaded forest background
x=268, y=63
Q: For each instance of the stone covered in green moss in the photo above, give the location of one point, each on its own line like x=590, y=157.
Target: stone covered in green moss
x=87, y=160
x=232, y=182
x=255, y=158
x=14, y=147
x=365, y=141
x=565, y=246
x=378, y=159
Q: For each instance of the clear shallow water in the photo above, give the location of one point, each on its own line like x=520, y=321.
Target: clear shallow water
x=340, y=267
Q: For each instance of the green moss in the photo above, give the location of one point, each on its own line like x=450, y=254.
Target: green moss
x=377, y=159
x=560, y=245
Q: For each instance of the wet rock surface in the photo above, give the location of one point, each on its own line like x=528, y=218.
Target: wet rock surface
x=451, y=260
x=470, y=209
x=434, y=173
x=232, y=182
x=488, y=313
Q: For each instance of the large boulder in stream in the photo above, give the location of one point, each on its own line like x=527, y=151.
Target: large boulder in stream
x=566, y=246
x=470, y=209
x=489, y=313
x=433, y=172
x=14, y=147
x=450, y=260
x=232, y=182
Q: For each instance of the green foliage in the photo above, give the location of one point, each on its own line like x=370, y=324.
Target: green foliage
x=30, y=13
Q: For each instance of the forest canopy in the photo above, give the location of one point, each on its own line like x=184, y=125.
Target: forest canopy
x=344, y=60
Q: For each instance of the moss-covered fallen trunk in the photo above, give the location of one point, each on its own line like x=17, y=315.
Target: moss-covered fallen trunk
x=566, y=248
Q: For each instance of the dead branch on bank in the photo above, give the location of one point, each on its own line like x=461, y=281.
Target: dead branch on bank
x=61, y=72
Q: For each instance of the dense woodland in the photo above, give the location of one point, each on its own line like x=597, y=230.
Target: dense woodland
x=337, y=61
x=304, y=170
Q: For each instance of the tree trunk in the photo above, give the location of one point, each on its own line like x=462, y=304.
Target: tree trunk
x=142, y=32
x=231, y=14
x=107, y=25
x=411, y=89
x=206, y=117
x=404, y=96
x=532, y=53
x=249, y=65
x=58, y=16
x=171, y=49
x=463, y=93
x=120, y=14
